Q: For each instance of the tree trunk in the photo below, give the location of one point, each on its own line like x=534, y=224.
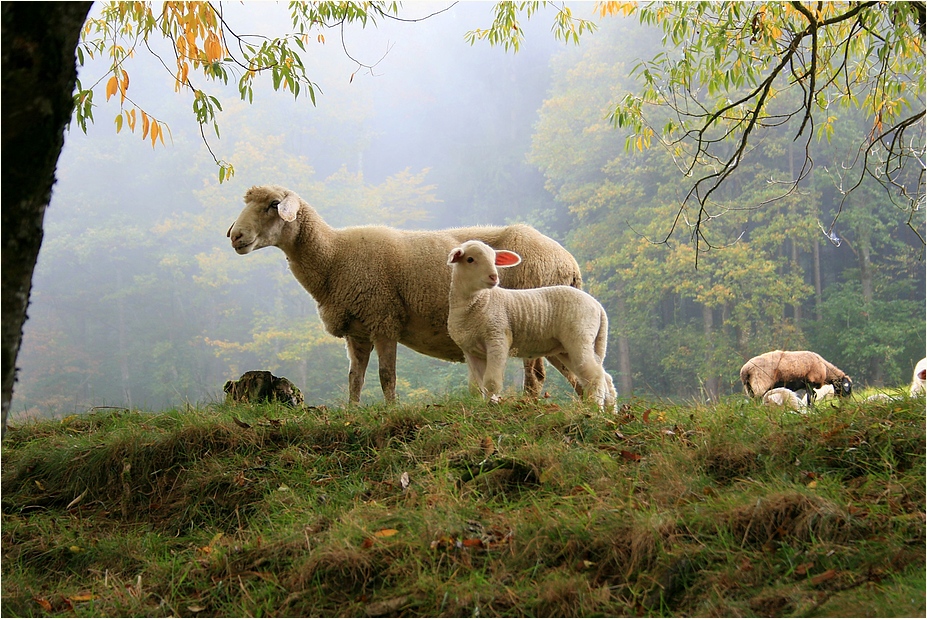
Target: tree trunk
x=816, y=249
x=712, y=380
x=624, y=349
x=38, y=75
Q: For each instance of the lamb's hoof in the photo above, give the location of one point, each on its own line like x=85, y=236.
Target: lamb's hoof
x=494, y=399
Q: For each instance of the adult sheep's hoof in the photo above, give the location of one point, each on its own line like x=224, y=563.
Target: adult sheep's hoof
x=262, y=386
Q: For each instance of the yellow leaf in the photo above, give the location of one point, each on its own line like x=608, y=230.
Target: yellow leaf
x=146, y=124
x=213, y=47
x=813, y=484
x=39, y=484
x=321, y=38
x=111, y=87
x=155, y=130
x=81, y=597
x=118, y=123
x=75, y=549
x=386, y=533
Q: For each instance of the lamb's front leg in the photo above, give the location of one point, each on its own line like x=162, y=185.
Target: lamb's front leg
x=476, y=367
x=497, y=353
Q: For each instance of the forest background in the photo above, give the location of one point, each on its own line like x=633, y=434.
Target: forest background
x=139, y=300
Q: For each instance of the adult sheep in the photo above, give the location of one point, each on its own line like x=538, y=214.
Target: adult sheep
x=376, y=286
x=490, y=323
x=792, y=369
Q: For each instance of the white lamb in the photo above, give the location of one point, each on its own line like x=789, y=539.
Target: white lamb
x=919, y=380
x=490, y=323
x=780, y=396
x=377, y=286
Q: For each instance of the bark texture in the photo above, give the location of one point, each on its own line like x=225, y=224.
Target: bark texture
x=39, y=71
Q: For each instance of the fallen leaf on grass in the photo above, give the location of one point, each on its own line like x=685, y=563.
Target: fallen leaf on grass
x=630, y=456
x=802, y=569
x=195, y=608
x=404, y=480
x=473, y=542
x=85, y=596
x=824, y=577
x=45, y=604
x=240, y=423
x=386, y=532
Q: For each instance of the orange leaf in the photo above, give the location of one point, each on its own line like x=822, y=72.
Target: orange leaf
x=386, y=533
x=368, y=542
x=630, y=456
x=86, y=596
x=213, y=48
x=45, y=604
x=111, y=87
x=474, y=542
x=146, y=125
x=823, y=577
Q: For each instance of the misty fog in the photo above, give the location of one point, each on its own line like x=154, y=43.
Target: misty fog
x=139, y=300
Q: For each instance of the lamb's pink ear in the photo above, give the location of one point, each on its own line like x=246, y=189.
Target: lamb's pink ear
x=288, y=207
x=455, y=255
x=506, y=258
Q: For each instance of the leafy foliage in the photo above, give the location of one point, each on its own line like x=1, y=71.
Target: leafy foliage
x=202, y=42
x=728, y=67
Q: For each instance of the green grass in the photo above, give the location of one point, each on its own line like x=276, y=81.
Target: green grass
x=459, y=508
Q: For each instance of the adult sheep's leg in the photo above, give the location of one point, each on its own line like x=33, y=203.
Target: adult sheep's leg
x=534, y=377
x=561, y=367
x=358, y=355
x=386, y=358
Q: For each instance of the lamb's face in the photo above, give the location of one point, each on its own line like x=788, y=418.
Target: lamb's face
x=475, y=265
x=261, y=223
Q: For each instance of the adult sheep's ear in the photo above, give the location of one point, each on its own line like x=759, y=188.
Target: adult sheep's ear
x=506, y=258
x=288, y=207
x=455, y=255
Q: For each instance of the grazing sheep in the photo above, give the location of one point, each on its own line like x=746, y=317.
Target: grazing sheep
x=262, y=386
x=919, y=380
x=780, y=396
x=793, y=370
x=490, y=323
x=377, y=286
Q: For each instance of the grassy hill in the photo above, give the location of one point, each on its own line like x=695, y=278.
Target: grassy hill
x=458, y=508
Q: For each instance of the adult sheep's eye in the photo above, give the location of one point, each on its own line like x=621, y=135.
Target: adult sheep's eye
x=470, y=259
x=273, y=205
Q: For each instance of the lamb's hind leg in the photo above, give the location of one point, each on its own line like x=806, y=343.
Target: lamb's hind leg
x=591, y=374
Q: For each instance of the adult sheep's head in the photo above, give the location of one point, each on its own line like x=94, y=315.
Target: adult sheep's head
x=843, y=386
x=268, y=209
